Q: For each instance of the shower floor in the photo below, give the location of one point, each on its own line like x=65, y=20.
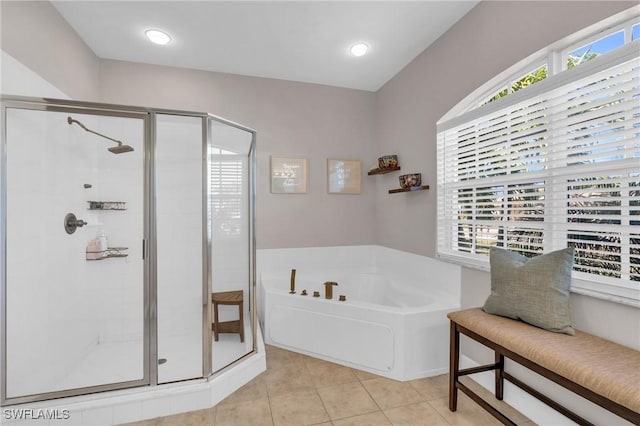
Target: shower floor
x=115, y=362
x=111, y=362
x=228, y=348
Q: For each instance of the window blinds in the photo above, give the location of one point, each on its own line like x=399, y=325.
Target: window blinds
x=553, y=166
x=228, y=194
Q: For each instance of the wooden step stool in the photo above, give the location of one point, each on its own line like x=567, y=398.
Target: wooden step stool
x=228, y=298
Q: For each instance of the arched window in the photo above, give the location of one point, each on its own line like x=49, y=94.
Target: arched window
x=547, y=156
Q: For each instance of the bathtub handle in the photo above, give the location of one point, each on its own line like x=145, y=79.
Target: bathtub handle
x=328, y=289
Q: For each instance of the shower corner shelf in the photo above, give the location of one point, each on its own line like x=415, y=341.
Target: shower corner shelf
x=107, y=205
x=111, y=252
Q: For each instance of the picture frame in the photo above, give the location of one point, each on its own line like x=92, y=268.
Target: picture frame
x=289, y=175
x=344, y=176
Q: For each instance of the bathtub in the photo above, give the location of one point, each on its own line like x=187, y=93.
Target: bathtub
x=393, y=322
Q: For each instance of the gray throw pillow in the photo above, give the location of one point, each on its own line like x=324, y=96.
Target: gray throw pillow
x=534, y=290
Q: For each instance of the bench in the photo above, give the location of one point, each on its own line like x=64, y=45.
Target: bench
x=605, y=373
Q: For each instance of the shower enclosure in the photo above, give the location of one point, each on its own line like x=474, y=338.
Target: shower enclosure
x=118, y=225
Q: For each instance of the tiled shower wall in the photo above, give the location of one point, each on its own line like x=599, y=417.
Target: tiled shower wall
x=60, y=306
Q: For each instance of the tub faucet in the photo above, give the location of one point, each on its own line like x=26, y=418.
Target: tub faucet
x=328, y=289
x=293, y=282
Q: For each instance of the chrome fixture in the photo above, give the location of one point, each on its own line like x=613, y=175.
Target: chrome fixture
x=71, y=223
x=328, y=289
x=121, y=148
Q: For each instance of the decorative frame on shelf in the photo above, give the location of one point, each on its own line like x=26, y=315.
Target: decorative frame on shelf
x=288, y=175
x=344, y=176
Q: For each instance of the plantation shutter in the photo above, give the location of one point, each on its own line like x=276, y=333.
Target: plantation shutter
x=553, y=166
x=227, y=193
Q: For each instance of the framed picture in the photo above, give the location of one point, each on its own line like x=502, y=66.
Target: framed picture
x=288, y=175
x=344, y=176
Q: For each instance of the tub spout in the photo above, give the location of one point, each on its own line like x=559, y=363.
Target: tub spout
x=293, y=282
x=328, y=289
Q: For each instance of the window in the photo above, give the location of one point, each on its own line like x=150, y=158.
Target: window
x=521, y=82
x=594, y=49
x=228, y=192
x=556, y=165
x=569, y=56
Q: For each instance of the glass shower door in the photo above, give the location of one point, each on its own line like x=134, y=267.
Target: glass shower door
x=181, y=243
x=75, y=271
x=231, y=195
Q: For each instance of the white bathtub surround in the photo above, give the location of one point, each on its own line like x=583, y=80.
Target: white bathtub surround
x=394, y=320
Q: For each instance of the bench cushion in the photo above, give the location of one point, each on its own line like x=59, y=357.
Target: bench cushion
x=604, y=367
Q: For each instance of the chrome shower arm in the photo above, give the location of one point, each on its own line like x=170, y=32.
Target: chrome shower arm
x=72, y=120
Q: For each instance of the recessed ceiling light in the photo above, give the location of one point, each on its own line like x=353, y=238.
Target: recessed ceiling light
x=157, y=36
x=359, y=49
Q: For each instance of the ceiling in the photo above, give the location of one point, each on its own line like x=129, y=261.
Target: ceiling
x=306, y=41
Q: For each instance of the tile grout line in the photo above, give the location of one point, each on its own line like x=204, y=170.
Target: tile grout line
x=318, y=393
x=438, y=413
x=324, y=407
x=273, y=421
x=373, y=399
x=428, y=401
x=358, y=380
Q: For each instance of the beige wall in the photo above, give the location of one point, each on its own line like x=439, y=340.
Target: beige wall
x=34, y=33
x=292, y=119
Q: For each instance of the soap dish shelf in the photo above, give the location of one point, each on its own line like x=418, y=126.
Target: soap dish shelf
x=110, y=252
x=107, y=205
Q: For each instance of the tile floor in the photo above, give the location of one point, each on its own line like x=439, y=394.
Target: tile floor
x=300, y=390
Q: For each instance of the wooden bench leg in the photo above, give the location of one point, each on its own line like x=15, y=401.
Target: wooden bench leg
x=499, y=375
x=454, y=367
x=241, y=321
x=216, y=321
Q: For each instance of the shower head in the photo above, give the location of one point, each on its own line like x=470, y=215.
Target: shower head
x=119, y=149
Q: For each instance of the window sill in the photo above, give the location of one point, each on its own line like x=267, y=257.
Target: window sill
x=611, y=293
x=625, y=296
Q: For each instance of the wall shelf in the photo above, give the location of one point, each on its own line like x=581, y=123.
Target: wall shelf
x=107, y=205
x=383, y=171
x=412, y=189
x=109, y=256
x=110, y=252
